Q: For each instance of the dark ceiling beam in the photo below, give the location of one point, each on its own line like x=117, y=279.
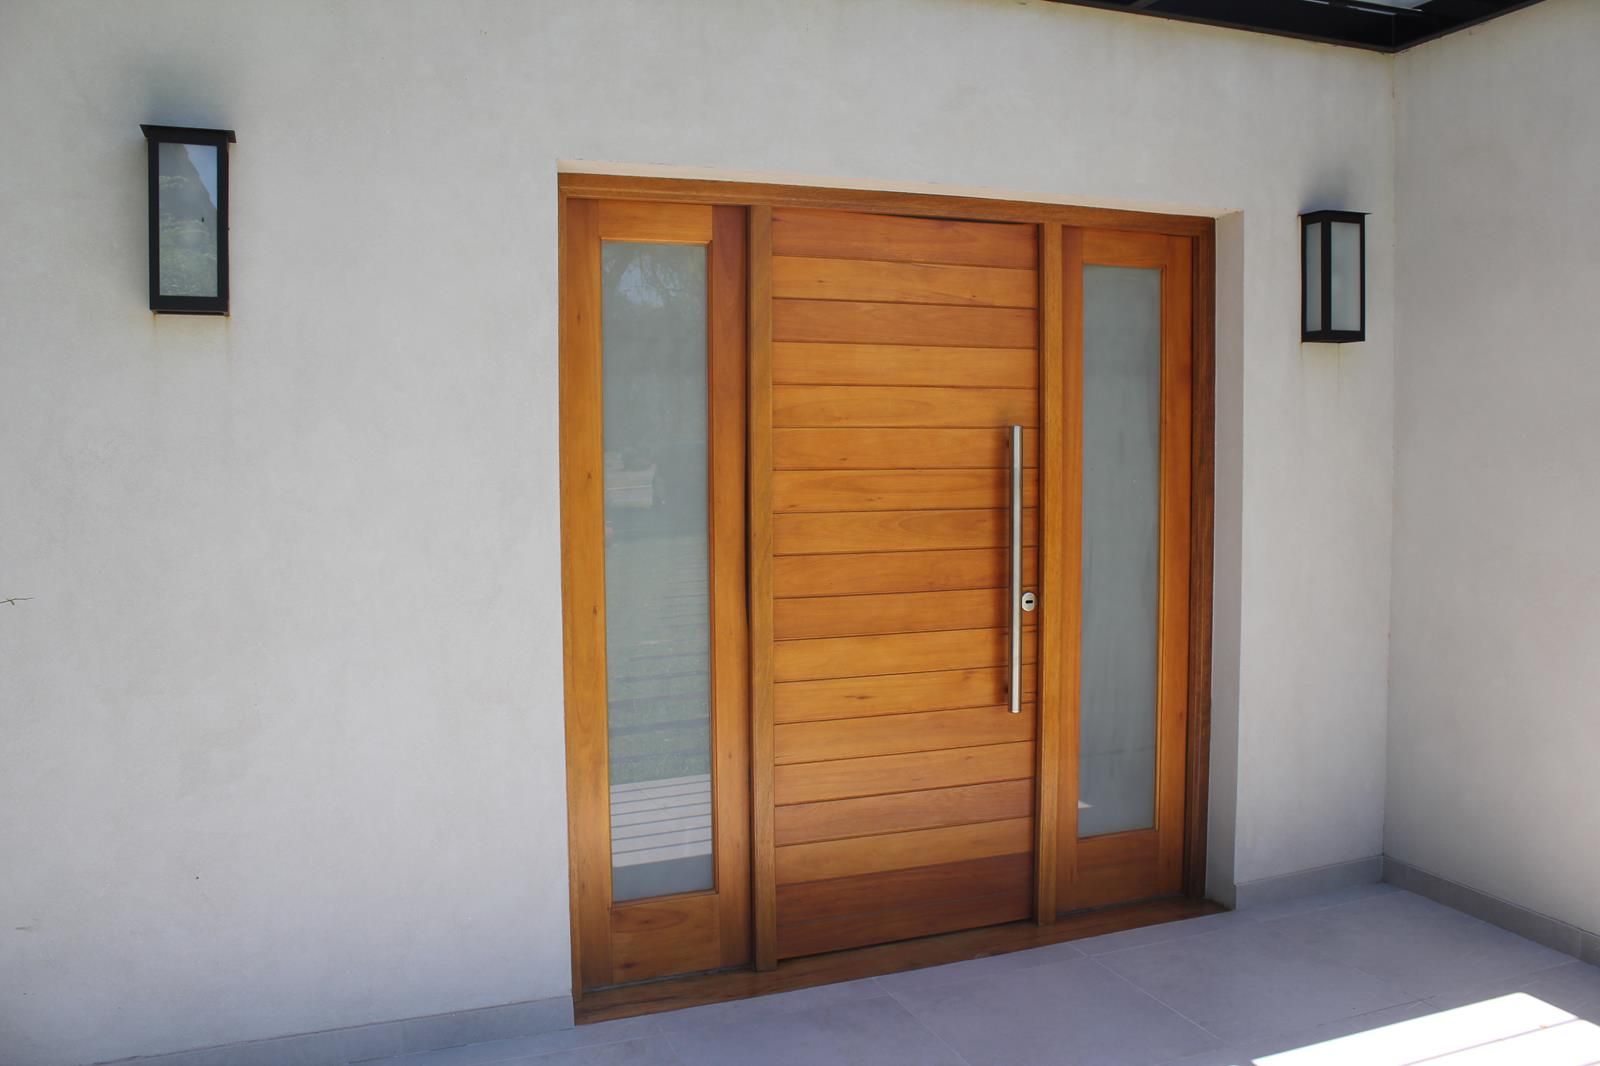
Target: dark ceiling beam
x=1371, y=24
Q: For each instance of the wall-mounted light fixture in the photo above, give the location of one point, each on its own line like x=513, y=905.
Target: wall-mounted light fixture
x=188, y=219
x=1333, y=276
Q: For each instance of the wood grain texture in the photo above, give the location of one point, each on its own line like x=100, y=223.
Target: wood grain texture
x=843, y=406
x=895, y=653
x=903, y=851
x=793, y=198
x=1197, y=784
x=880, y=959
x=616, y=943
x=894, y=238
x=991, y=801
x=854, y=738
x=861, y=322
x=809, y=901
x=846, y=532
x=655, y=223
x=1099, y=870
x=815, y=278
x=658, y=937
x=908, y=315
x=910, y=919
x=583, y=596
x=1057, y=612
x=908, y=612
x=763, y=855
x=914, y=772
x=880, y=572
x=903, y=364
x=895, y=490
x=1066, y=582
x=863, y=697
x=897, y=449
x=730, y=629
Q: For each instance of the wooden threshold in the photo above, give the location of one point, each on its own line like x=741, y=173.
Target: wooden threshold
x=675, y=993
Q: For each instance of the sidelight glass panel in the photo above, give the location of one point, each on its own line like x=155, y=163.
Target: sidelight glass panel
x=1344, y=275
x=1121, y=520
x=658, y=607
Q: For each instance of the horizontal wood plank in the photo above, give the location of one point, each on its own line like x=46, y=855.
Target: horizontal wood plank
x=897, y=449
x=798, y=363
x=991, y=801
x=1013, y=903
x=913, y=772
x=809, y=901
x=860, y=322
x=632, y=220
x=893, y=238
x=900, y=851
x=855, y=738
x=877, y=572
x=795, y=491
x=878, y=959
x=845, y=406
x=653, y=938
x=863, y=697
x=816, y=278
x=844, y=532
x=896, y=653
x=906, y=612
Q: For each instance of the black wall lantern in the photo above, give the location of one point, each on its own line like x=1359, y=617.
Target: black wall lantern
x=1333, y=276
x=188, y=219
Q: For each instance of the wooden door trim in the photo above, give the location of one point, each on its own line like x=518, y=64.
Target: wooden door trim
x=618, y=941
x=1056, y=476
x=753, y=193
x=1177, y=839
x=1202, y=487
x=579, y=325
x=764, y=873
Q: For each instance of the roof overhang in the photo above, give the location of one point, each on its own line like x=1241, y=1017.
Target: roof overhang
x=1379, y=25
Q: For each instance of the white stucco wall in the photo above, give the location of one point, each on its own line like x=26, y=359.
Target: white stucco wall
x=1494, y=747
x=281, y=745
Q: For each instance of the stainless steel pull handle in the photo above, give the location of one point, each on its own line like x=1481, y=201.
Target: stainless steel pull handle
x=1016, y=570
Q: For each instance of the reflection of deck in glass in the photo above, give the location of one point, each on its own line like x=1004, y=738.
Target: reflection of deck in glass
x=661, y=837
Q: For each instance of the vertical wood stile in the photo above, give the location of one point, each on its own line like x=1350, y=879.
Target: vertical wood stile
x=583, y=602
x=763, y=855
x=1201, y=548
x=1054, y=609
x=730, y=628
x=1069, y=579
x=1177, y=384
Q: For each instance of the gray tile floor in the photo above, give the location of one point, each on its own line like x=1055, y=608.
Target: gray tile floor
x=1216, y=991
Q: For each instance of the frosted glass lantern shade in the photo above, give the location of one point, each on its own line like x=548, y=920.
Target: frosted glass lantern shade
x=1333, y=276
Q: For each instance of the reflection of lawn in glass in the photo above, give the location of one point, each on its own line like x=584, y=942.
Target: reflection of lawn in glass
x=657, y=653
x=188, y=258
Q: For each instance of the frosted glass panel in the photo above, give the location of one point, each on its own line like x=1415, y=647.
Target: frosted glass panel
x=1121, y=514
x=1313, y=295
x=1345, y=274
x=658, y=614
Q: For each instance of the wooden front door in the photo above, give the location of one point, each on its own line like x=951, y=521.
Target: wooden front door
x=892, y=357
x=805, y=709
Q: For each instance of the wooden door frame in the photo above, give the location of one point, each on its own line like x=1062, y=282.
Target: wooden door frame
x=1056, y=221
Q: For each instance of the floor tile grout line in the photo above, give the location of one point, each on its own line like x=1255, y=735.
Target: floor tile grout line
x=924, y=1027
x=1221, y=1043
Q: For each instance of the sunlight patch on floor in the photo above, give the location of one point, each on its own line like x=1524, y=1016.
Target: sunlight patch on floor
x=1514, y=1030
